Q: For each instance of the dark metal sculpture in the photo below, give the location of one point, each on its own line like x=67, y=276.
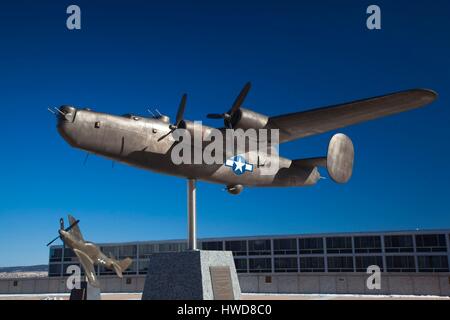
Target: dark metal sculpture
x=147, y=142
x=88, y=253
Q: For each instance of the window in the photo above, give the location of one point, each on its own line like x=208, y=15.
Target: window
x=172, y=247
x=143, y=266
x=398, y=243
x=111, y=251
x=367, y=244
x=340, y=264
x=97, y=124
x=69, y=255
x=260, y=265
x=56, y=254
x=259, y=247
x=363, y=262
x=339, y=245
x=146, y=249
x=15, y=283
x=431, y=243
x=433, y=264
x=285, y=246
x=127, y=252
x=312, y=264
x=54, y=270
x=241, y=265
x=212, y=245
x=239, y=248
x=286, y=265
x=128, y=281
x=400, y=264
x=310, y=245
x=268, y=279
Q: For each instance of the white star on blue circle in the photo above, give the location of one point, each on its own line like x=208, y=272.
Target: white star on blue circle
x=239, y=165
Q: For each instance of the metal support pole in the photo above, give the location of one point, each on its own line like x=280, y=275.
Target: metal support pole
x=192, y=216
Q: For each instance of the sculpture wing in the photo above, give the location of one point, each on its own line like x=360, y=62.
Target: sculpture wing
x=75, y=230
x=88, y=266
x=307, y=123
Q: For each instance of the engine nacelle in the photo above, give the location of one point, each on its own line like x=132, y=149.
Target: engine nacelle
x=248, y=119
x=235, y=190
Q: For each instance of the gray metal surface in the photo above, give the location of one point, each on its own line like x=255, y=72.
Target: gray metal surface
x=340, y=158
x=307, y=123
x=89, y=254
x=192, y=215
x=148, y=142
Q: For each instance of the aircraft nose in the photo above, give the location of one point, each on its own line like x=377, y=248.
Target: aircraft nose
x=66, y=113
x=62, y=233
x=66, y=123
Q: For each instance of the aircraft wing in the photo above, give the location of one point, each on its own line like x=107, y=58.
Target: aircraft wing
x=307, y=123
x=88, y=266
x=75, y=229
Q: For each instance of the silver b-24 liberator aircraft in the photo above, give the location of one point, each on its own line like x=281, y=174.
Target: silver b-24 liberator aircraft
x=147, y=142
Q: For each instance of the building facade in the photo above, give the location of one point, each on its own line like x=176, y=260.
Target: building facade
x=398, y=252
x=411, y=263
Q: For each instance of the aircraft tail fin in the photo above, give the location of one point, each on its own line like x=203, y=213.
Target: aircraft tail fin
x=125, y=263
x=121, y=266
x=339, y=159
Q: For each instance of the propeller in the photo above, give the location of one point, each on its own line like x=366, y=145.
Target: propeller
x=227, y=116
x=61, y=227
x=180, y=112
x=179, y=118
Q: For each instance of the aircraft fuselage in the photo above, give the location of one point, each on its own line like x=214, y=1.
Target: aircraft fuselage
x=147, y=143
x=90, y=249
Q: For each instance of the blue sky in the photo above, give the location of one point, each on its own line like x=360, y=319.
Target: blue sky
x=132, y=55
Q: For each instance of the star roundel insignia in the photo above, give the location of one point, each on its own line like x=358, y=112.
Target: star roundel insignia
x=239, y=165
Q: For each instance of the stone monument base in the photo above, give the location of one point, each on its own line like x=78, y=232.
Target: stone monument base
x=86, y=292
x=191, y=275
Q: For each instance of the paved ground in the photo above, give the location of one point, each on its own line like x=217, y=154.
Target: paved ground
x=137, y=296
x=336, y=297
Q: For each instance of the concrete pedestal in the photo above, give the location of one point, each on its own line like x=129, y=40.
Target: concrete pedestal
x=191, y=275
x=86, y=292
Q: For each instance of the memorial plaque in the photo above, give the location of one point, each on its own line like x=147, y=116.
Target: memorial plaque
x=221, y=283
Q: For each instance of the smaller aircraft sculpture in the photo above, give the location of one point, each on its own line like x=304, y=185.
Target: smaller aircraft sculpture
x=88, y=253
